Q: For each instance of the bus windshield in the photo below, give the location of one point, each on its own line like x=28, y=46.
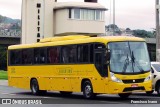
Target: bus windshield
x=129, y=57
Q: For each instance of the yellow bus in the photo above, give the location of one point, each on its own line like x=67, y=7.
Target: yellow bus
x=92, y=65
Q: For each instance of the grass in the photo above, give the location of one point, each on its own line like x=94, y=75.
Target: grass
x=3, y=75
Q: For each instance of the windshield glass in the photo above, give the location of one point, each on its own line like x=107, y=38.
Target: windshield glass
x=129, y=57
x=156, y=67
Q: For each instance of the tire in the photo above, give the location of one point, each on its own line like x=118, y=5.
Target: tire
x=35, y=88
x=149, y=92
x=158, y=89
x=88, y=90
x=124, y=95
x=65, y=92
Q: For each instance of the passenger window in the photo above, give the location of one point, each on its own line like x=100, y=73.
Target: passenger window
x=39, y=55
x=54, y=55
x=15, y=57
x=72, y=54
x=27, y=56
x=83, y=53
x=65, y=54
x=91, y=53
x=69, y=54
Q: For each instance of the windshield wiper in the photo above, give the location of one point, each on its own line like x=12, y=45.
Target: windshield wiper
x=126, y=63
x=136, y=63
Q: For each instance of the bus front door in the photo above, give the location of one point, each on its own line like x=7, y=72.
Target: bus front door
x=99, y=61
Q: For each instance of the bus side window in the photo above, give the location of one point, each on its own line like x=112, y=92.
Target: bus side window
x=27, y=55
x=72, y=54
x=83, y=53
x=40, y=55
x=53, y=55
x=91, y=53
x=65, y=54
x=15, y=57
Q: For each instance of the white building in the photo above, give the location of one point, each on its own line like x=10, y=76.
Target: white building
x=47, y=18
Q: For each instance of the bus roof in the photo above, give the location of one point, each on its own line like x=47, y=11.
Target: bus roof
x=76, y=39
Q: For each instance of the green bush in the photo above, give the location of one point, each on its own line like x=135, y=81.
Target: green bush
x=3, y=75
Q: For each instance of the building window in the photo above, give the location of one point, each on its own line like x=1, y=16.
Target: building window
x=76, y=13
x=98, y=14
x=86, y=14
x=70, y=15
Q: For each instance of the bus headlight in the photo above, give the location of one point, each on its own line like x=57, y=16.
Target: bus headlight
x=114, y=78
x=148, y=78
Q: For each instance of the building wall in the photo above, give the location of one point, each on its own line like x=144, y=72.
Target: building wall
x=29, y=23
x=32, y=15
x=47, y=18
x=64, y=25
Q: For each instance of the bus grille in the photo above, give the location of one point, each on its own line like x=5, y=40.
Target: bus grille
x=133, y=89
x=133, y=81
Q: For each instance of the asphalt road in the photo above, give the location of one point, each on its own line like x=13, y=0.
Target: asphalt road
x=76, y=98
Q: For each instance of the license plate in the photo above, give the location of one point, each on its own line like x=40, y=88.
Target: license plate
x=134, y=85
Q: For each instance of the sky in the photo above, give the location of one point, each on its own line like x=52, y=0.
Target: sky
x=133, y=14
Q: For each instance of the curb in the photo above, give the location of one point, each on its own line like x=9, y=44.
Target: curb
x=3, y=82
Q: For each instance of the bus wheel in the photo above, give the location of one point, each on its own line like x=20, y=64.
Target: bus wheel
x=35, y=88
x=158, y=89
x=88, y=90
x=124, y=95
x=65, y=92
x=149, y=92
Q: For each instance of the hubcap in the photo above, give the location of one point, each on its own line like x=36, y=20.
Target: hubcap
x=88, y=91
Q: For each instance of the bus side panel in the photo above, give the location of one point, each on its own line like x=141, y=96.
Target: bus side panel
x=81, y=72
x=17, y=79
x=19, y=82
x=44, y=83
x=98, y=82
x=61, y=83
x=76, y=84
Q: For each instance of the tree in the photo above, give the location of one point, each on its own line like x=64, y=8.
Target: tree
x=3, y=57
x=143, y=33
x=2, y=19
x=113, y=27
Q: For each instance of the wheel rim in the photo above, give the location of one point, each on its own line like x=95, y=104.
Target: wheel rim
x=34, y=87
x=88, y=91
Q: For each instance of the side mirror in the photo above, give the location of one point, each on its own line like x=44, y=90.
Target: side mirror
x=108, y=54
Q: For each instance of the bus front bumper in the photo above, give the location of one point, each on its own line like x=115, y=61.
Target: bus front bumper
x=115, y=88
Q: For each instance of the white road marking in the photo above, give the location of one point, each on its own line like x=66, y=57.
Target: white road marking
x=8, y=94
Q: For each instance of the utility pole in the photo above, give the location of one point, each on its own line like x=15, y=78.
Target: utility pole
x=157, y=6
x=113, y=17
